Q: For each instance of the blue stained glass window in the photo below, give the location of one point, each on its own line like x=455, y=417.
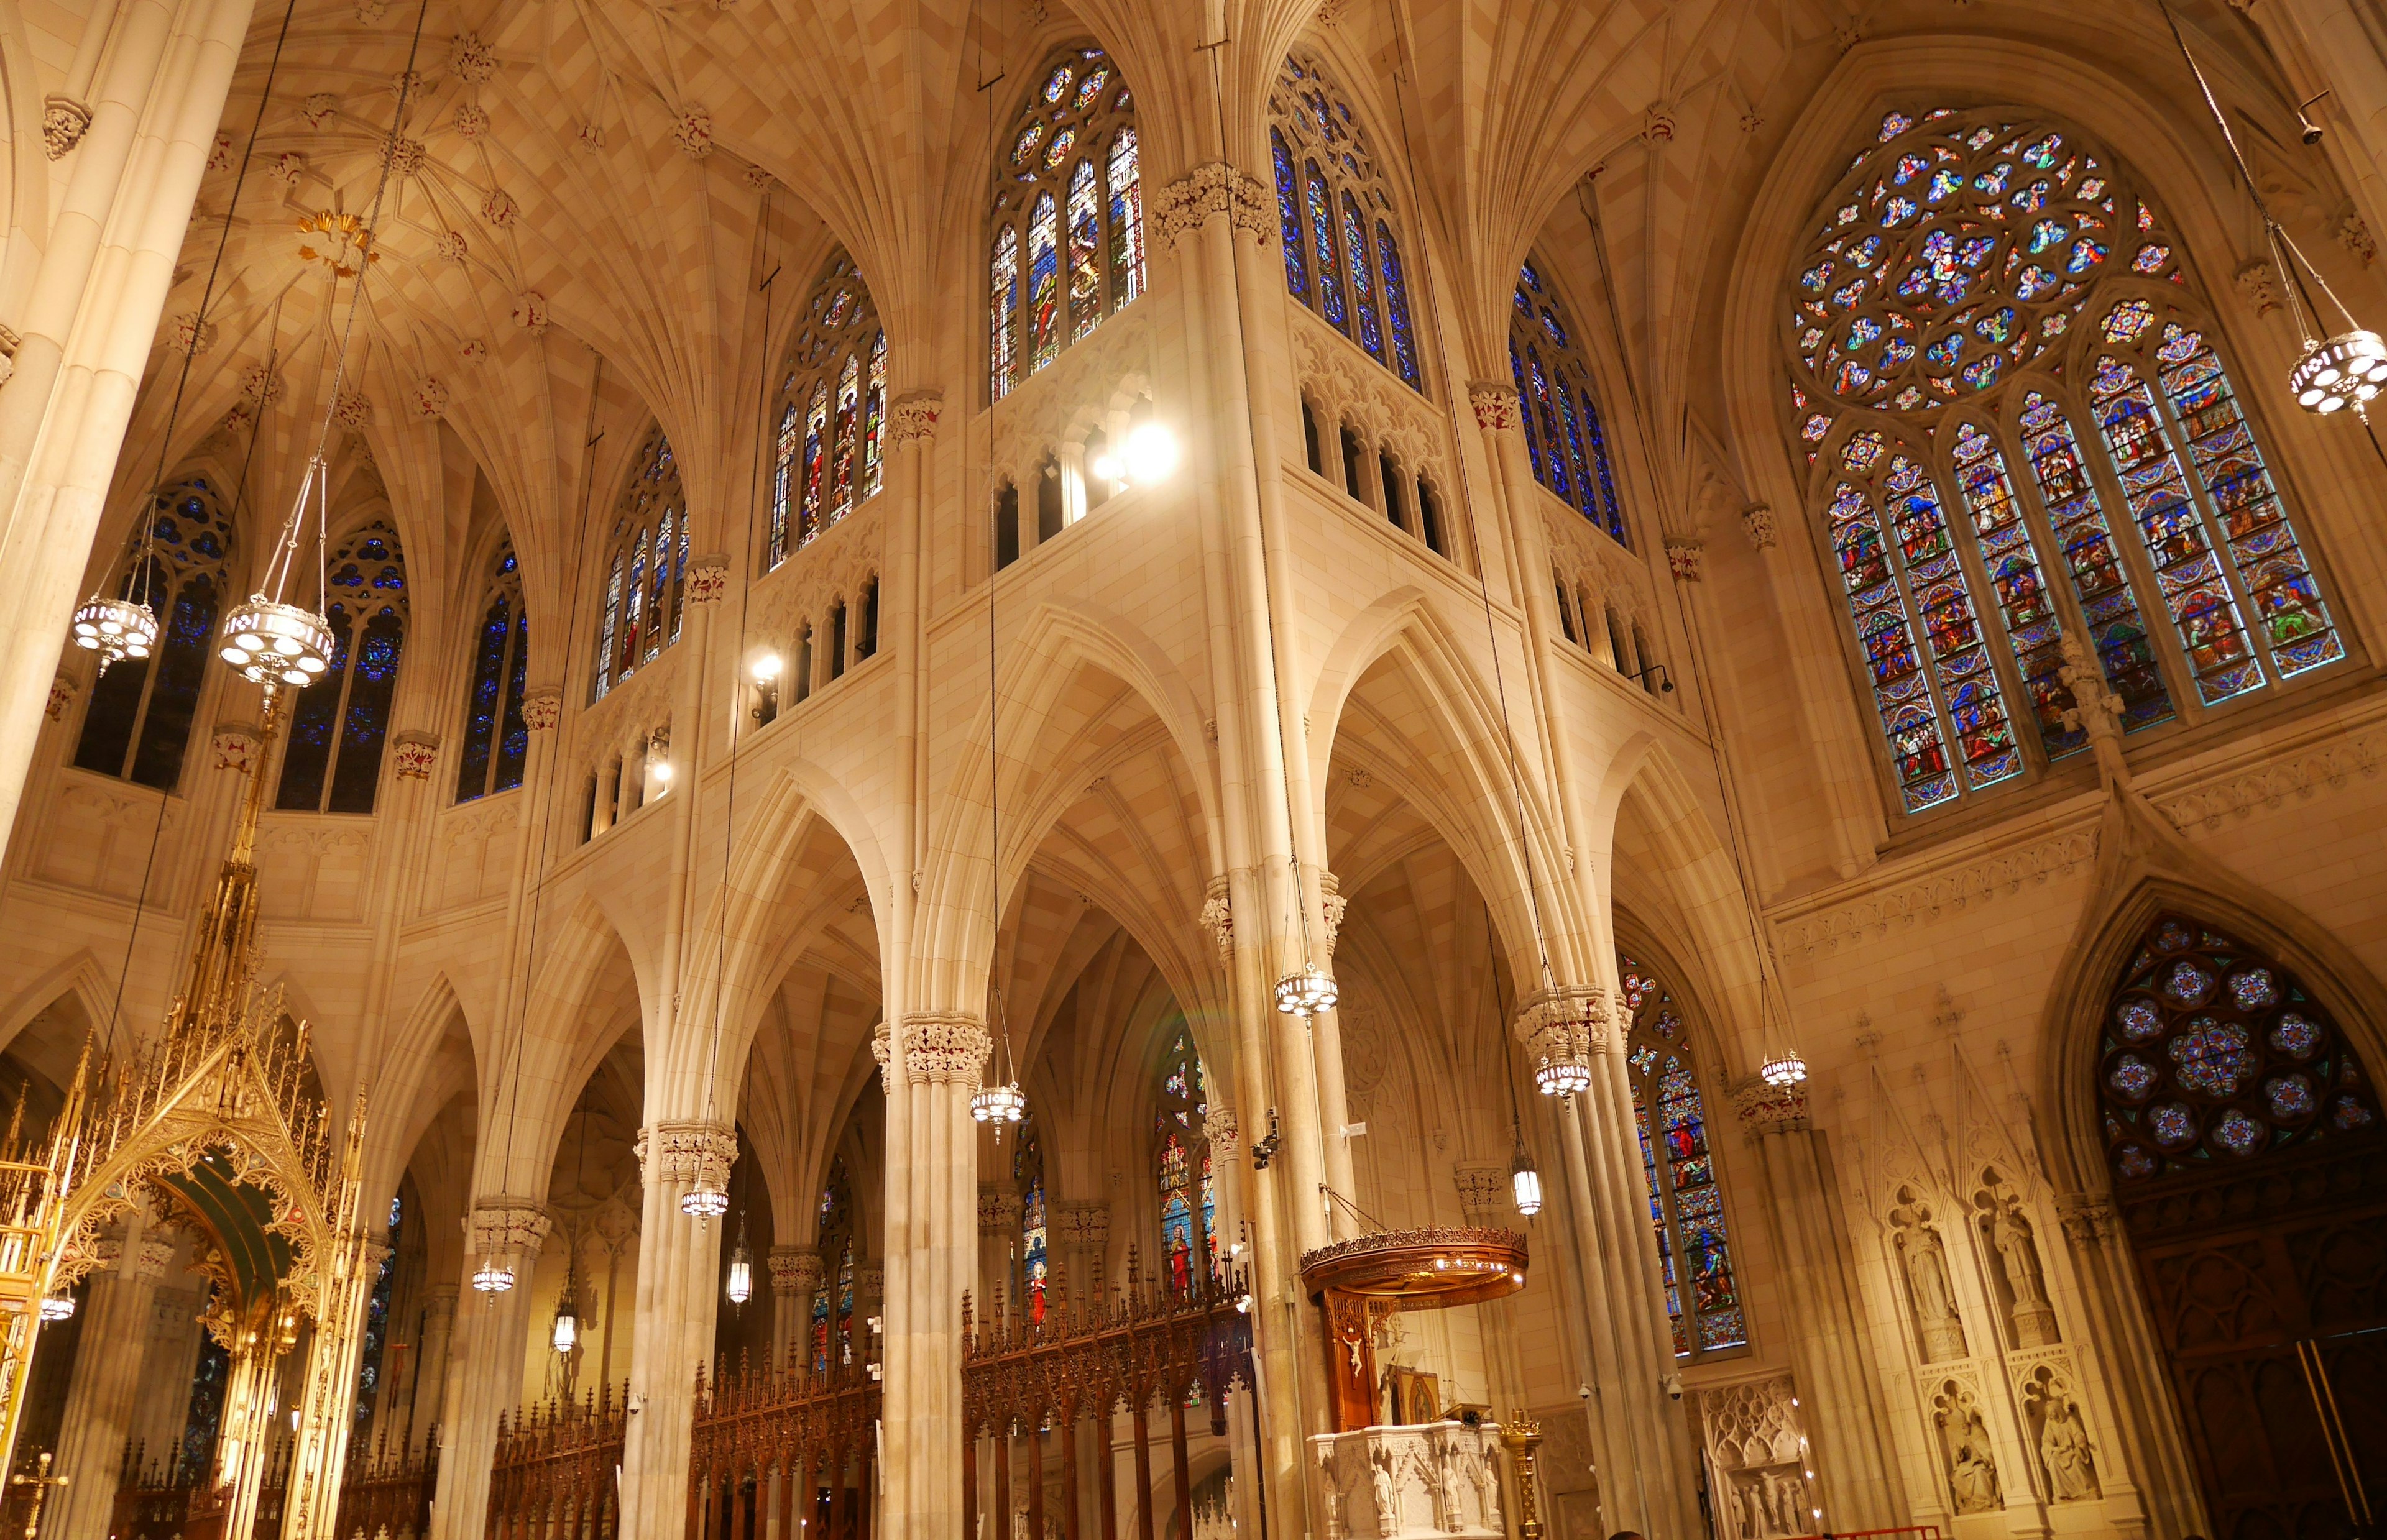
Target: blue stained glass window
x=783, y=477
x=1587, y=494
x=1703, y=1304
x=314, y=714
x=1066, y=218
x=1545, y=411
x=1396, y=303
x=1003, y=309
x=649, y=566
x=1182, y=1163
x=1288, y=220
x=2020, y=588
x=1044, y=282
x=1363, y=285
x=1330, y=271
x=495, y=741
x=1612, y=514
x=138, y=723
x=1565, y=439
x=1525, y=397
x=339, y=723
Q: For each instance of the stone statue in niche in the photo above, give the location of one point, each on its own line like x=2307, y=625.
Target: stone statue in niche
x=2063, y=1447
x=1387, y=1494
x=1972, y=1464
x=1447, y=1484
x=2015, y=1245
x=1926, y=1259
x=1330, y=1493
x=1486, y=1472
x=1757, y=1452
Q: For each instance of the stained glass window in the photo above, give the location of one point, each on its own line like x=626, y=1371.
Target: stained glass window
x=831, y=410
x=496, y=740
x=1564, y=440
x=1685, y=1204
x=2001, y=289
x=1067, y=216
x=831, y=1338
x=139, y=720
x=1189, y=1213
x=1035, y=1251
x=339, y=723
x=2213, y=1053
x=1336, y=217
x=643, y=591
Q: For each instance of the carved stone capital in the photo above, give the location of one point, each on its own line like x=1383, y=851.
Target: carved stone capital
x=237, y=745
x=708, y=579
x=1083, y=1224
x=1566, y=1024
x=1218, y=916
x=944, y=1048
x=1221, y=1125
x=64, y=120
x=869, y=1285
x=505, y=1227
x=1764, y=1109
x=542, y=708
x=1483, y=1189
x=681, y=1154
x=152, y=1259
x=2087, y=1217
x=414, y=753
x=62, y=694
x=1757, y=522
x=913, y=417
x=882, y=1050
x=1187, y=204
x=1496, y=405
x=796, y=1272
x=1687, y=560
x=106, y=1255
x=1331, y=906
x=998, y=1210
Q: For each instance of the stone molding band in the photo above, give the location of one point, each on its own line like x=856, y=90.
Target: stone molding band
x=945, y=1048
x=682, y=1152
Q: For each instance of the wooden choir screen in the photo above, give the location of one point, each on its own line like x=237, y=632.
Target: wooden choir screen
x=788, y=1442
x=553, y=1475
x=1150, y=1346
x=158, y=1501
x=388, y=1492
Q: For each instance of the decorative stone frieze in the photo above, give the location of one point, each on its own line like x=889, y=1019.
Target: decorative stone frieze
x=259, y=383
x=998, y=1210
x=1218, y=918
x=406, y=156
x=795, y=1272
x=1763, y=1108
x=542, y=708
x=1482, y=1189
x=414, y=752
x=1757, y=522
x=1434, y=1479
x=590, y=135
x=1187, y=204
x=64, y=122
x=944, y=1048
x=106, y=1255
x=681, y=1153
x=351, y=410
x=1221, y=1126
x=450, y=245
x=237, y=745
x=1657, y=123
x=1083, y=1224
x=913, y=418
x=1496, y=405
x=474, y=351
x=708, y=579
x=506, y=1226
x=1570, y=1023
x=219, y=153
x=1687, y=560
x=2355, y=235
x=869, y=1284
x=62, y=694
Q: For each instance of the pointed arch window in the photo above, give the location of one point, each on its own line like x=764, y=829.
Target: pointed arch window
x=496, y=739
x=1565, y=439
x=1065, y=242
x=832, y=1327
x=829, y=426
x=340, y=725
x=1993, y=297
x=1188, y=1184
x=648, y=561
x=1035, y=1229
x=139, y=720
x=1686, y=1204
x=2214, y=1054
x=1334, y=213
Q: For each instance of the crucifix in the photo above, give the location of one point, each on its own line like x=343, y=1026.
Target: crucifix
x=41, y=1485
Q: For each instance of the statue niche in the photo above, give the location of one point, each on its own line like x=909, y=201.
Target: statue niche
x=2060, y=1436
x=1972, y=1464
x=2008, y=1238
x=1923, y=1258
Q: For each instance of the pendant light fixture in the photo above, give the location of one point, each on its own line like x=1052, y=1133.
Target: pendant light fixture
x=492, y=1277
x=1524, y=1181
x=2345, y=370
x=741, y=1269
x=57, y=1305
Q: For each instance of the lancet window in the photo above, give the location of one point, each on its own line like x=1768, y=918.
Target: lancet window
x=1189, y=1193
x=1067, y=240
x=2214, y=1054
x=139, y=721
x=2020, y=428
x=339, y=724
x=1342, y=254
x=1685, y=1205
x=647, y=562
x=832, y=1321
x=1035, y=1228
x=496, y=740
x=1566, y=438
x=831, y=424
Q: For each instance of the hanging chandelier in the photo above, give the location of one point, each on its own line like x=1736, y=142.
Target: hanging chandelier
x=705, y=1201
x=1307, y=992
x=493, y=1277
x=268, y=639
x=1785, y=1069
x=1524, y=1181
x=566, y=1336
x=741, y=1269
x=58, y=1305
x=1563, y=1078
x=999, y=1105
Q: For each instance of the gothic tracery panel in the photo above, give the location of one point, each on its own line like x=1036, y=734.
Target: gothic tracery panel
x=1336, y=217
x=1685, y=1203
x=828, y=431
x=496, y=739
x=1565, y=441
x=646, y=565
x=339, y=724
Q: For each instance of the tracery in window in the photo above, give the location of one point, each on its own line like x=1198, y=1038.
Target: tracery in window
x=1990, y=296
x=1067, y=243
x=340, y=724
x=648, y=561
x=1685, y=1205
x=1035, y=1251
x=1334, y=214
x=831, y=422
x=2214, y=1054
x=1188, y=1197
x=832, y=1322
x=1565, y=440
x=139, y=720
x=496, y=739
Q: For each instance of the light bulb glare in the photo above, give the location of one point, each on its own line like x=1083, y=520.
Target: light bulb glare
x=1151, y=453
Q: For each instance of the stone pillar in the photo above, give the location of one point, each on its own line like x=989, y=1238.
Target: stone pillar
x=677, y=1298
x=998, y=1251
x=100, y=1396
x=795, y=1278
x=1082, y=1232
x=426, y=1401
x=1849, y=1427
x=162, y=1406
x=485, y=1378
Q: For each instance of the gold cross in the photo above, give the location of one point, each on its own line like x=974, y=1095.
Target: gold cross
x=41, y=1485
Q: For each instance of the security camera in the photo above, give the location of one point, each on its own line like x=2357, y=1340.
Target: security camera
x=2311, y=131
x=1673, y=1383
x=1263, y=1150
x=1582, y=1391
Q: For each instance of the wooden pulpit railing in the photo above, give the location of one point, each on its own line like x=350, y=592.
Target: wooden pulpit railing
x=388, y=1492
x=792, y=1444
x=1040, y=1377
x=554, y=1474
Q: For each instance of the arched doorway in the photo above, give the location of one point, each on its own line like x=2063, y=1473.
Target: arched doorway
x=2250, y=1167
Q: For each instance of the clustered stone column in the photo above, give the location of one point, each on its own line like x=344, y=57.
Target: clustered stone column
x=795, y=1278
x=679, y=1259
x=107, y=1379
x=487, y=1373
